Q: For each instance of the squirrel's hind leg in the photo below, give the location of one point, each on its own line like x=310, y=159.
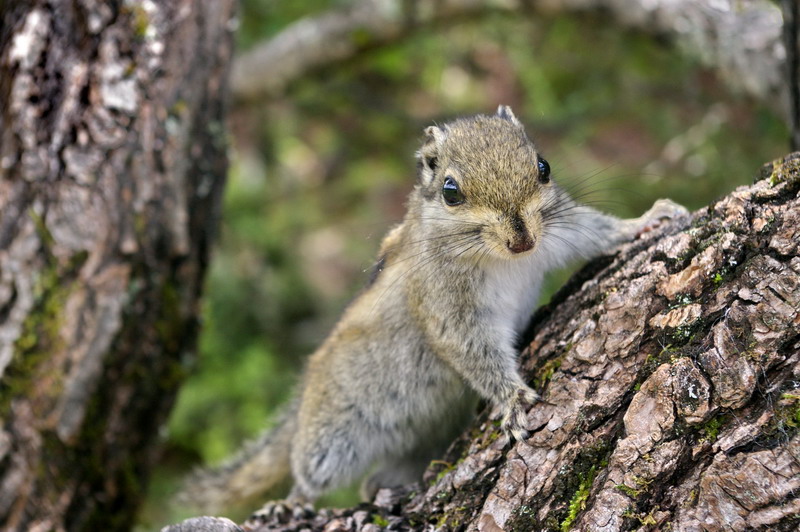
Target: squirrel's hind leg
x=295, y=506
x=394, y=473
x=338, y=451
x=432, y=440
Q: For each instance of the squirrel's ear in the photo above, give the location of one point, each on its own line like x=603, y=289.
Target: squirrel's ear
x=428, y=154
x=434, y=134
x=505, y=112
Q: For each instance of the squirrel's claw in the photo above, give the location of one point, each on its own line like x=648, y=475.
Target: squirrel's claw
x=513, y=423
x=515, y=416
x=282, y=511
x=661, y=210
x=529, y=396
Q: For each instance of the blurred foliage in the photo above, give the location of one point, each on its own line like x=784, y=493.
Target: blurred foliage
x=318, y=176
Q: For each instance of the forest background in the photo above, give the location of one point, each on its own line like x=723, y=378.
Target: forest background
x=622, y=117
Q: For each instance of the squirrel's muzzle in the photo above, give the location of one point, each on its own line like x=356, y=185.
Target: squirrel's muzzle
x=520, y=245
x=522, y=240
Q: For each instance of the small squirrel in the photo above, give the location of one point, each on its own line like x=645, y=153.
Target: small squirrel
x=455, y=284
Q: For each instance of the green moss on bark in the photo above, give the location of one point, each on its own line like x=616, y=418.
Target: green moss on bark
x=40, y=335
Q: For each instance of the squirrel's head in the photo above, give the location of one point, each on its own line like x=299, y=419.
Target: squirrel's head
x=482, y=180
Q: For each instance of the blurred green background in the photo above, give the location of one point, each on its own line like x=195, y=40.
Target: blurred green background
x=319, y=175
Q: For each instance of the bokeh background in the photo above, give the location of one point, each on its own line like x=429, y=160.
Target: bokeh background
x=318, y=176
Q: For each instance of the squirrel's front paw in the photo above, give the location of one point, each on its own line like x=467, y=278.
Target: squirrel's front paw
x=281, y=512
x=661, y=210
x=514, y=413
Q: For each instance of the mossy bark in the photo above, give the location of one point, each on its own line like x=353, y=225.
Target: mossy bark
x=112, y=163
x=671, y=372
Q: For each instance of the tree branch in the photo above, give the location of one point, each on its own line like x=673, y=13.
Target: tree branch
x=740, y=38
x=338, y=35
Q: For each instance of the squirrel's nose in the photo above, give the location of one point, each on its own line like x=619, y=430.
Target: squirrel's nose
x=520, y=244
x=522, y=241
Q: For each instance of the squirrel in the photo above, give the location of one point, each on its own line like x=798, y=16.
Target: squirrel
x=435, y=328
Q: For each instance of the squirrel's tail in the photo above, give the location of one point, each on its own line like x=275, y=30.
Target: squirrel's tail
x=260, y=466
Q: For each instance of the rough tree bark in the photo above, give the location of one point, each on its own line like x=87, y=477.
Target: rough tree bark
x=112, y=161
x=671, y=372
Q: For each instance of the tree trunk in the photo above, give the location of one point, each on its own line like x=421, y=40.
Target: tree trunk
x=671, y=372
x=112, y=162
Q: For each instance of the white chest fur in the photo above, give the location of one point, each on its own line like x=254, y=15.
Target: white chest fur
x=510, y=291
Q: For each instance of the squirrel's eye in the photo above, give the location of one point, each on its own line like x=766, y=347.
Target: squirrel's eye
x=451, y=193
x=432, y=163
x=544, y=170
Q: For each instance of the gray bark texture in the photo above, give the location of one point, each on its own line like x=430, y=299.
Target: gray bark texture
x=112, y=162
x=671, y=375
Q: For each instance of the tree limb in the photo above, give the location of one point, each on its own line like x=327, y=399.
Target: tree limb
x=740, y=38
x=338, y=35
